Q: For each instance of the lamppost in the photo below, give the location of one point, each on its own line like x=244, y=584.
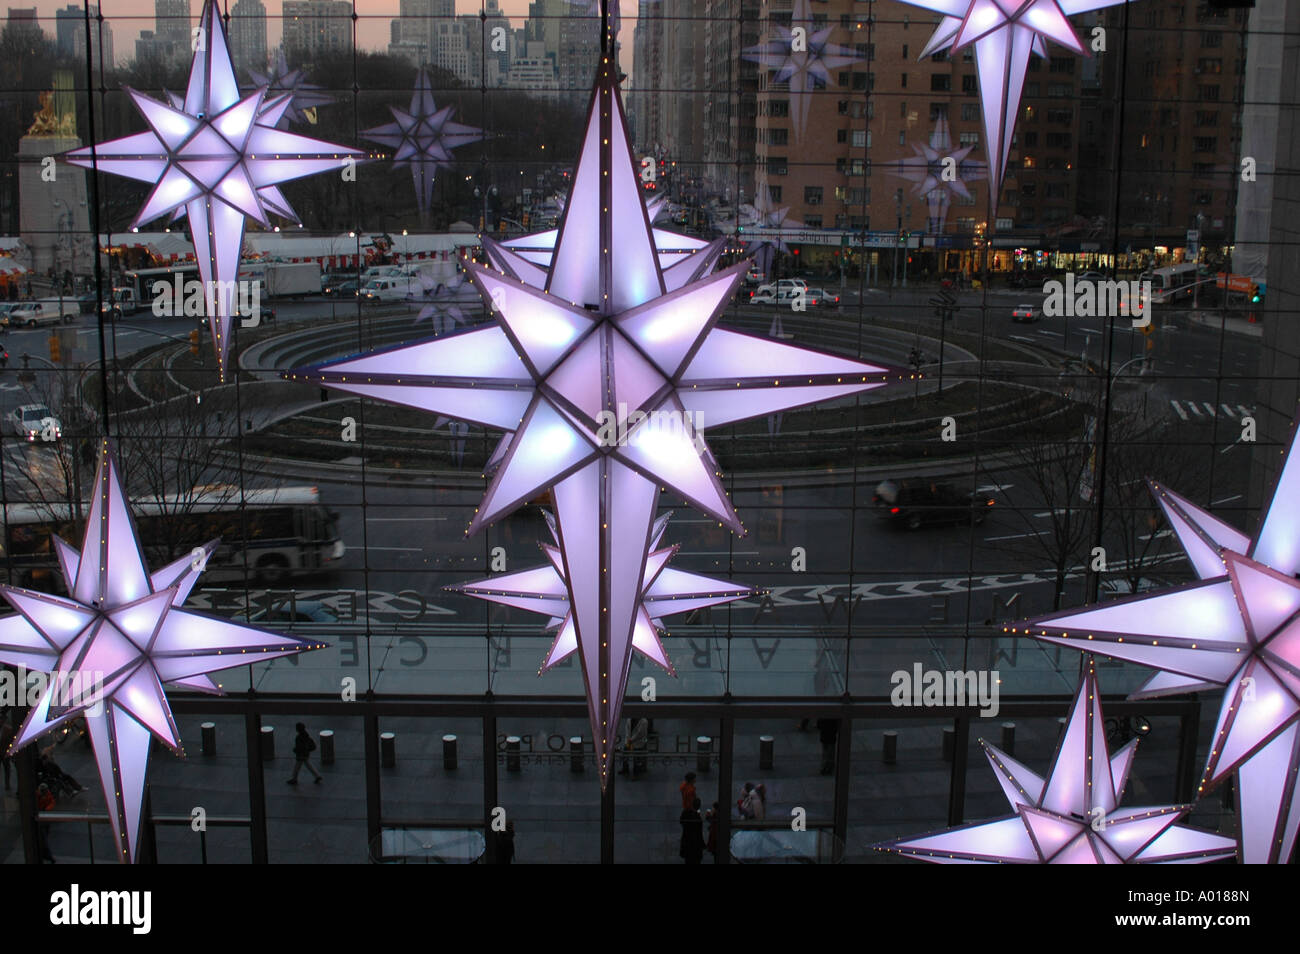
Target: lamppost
x=484, y=192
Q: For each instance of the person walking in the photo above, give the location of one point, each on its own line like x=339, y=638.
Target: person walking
x=303, y=747
x=692, y=848
x=755, y=801
x=687, y=788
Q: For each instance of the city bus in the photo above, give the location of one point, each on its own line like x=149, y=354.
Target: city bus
x=272, y=534
x=1171, y=284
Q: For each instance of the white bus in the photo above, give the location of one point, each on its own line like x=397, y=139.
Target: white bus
x=1171, y=284
x=270, y=534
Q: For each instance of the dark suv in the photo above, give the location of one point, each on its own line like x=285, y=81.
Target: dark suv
x=920, y=502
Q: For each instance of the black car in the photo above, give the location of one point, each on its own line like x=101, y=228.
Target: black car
x=348, y=289
x=922, y=502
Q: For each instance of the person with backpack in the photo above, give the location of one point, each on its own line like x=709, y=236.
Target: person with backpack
x=303, y=746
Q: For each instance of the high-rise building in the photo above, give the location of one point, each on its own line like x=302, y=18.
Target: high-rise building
x=533, y=71
x=172, y=25
x=570, y=38
x=644, y=102
x=70, y=34
x=248, y=35
x=313, y=27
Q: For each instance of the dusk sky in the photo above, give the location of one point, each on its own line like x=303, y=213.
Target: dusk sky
x=129, y=17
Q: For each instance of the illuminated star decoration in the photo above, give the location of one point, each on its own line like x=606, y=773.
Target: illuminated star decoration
x=1005, y=33
x=801, y=55
x=664, y=591
x=440, y=302
x=305, y=98
x=423, y=138
x=772, y=219
x=1072, y=816
x=220, y=159
x=122, y=628
x=1238, y=628
x=926, y=169
x=602, y=363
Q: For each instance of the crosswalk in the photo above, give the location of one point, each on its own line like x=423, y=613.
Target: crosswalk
x=1204, y=410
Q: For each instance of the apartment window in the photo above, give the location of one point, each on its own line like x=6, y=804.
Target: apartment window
x=904, y=51
x=902, y=80
x=1031, y=139
x=865, y=50
x=859, y=196
x=778, y=107
x=968, y=55
x=812, y=195
x=1028, y=190
x=1207, y=117
x=864, y=81
x=1064, y=116
x=1202, y=169
x=1010, y=197
x=1031, y=89
x=1209, y=94
x=846, y=21
x=841, y=135
x=778, y=165
x=842, y=107
x=940, y=83
x=1058, y=140
x=1030, y=113
x=1209, y=65
x=902, y=109
x=970, y=112
x=1057, y=190
x=775, y=192
x=1211, y=39
x=969, y=138
x=966, y=223
x=1059, y=90
x=1028, y=162
x=812, y=221
x=1061, y=64
x=842, y=193
x=778, y=137
x=862, y=138
x=1004, y=224
x=938, y=111
x=940, y=57
x=968, y=84
x=1205, y=143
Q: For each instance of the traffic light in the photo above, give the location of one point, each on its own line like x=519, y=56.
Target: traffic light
x=194, y=342
x=55, y=354
x=525, y=220
x=1256, y=296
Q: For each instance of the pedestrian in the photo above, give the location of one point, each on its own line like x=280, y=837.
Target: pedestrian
x=692, y=849
x=44, y=803
x=303, y=746
x=743, y=802
x=638, y=733
x=755, y=802
x=828, y=730
x=687, y=788
x=711, y=816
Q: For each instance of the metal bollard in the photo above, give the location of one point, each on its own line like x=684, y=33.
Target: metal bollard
x=388, y=749
x=268, y=743
x=703, y=753
x=326, y=746
x=449, y=752
x=766, y=745
x=512, y=753
x=209, y=732
x=889, y=755
x=575, y=755
x=1009, y=738
x=949, y=742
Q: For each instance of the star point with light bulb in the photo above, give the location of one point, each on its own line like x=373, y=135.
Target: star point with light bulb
x=602, y=364
x=217, y=158
x=1004, y=34
x=1237, y=628
x=122, y=630
x=1072, y=816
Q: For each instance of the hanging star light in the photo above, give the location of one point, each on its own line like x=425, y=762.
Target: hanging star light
x=804, y=57
x=304, y=98
x=1238, y=628
x=938, y=173
x=440, y=301
x=773, y=219
x=664, y=591
x=220, y=159
x=422, y=137
x=115, y=639
x=1005, y=33
x=602, y=364
x=1072, y=816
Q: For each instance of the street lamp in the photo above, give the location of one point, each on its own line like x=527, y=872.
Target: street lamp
x=484, y=193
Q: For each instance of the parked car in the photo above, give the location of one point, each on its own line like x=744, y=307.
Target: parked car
x=821, y=298
x=1025, y=313
x=920, y=502
x=754, y=276
x=778, y=292
x=343, y=289
x=31, y=420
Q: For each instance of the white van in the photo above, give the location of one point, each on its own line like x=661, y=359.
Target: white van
x=49, y=311
x=396, y=288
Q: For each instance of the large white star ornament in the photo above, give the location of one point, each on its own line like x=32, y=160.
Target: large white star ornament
x=1072, y=816
x=602, y=364
x=1238, y=628
x=665, y=591
x=122, y=631
x=423, y=138
x=938, y=173
x=221, y=159
x=304, y=98
x=1005, y=33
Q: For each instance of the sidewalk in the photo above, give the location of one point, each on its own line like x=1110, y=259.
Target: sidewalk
x=1217, y=320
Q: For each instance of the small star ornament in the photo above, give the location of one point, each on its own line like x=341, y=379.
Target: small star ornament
x=114, y=640
x=1072, y=816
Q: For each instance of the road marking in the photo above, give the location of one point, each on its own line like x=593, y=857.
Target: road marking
x=1179, y=408
x=399, y=549
x=1019, y=338
x=1014, y=536
x=1215, y=503
x=1055, y=334
x=717, y=553
x=1191, y=406
x=1242, y=409
x=1209, y=407
x=1227, y=410
x=402, y=520
x=1050, y=513
x=986, y=489
x=1162, y=533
